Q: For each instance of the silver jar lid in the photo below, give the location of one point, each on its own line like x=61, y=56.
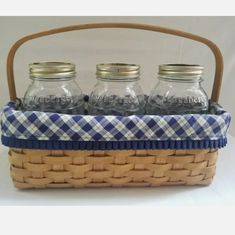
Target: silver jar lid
x=118, y=71
x=52, y=70
x=181, y=70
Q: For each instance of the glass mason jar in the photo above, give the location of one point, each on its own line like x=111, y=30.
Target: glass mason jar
x=53, y=89
x=178, y=91
x=117, y=91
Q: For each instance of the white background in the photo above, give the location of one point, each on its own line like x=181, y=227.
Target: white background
x=149, y=49
x=211, y=219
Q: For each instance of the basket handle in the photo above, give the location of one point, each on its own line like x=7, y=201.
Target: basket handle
x=216, y=51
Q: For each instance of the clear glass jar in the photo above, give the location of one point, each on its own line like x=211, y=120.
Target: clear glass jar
x=53, y=89
x=117, y=91
x=178, y=91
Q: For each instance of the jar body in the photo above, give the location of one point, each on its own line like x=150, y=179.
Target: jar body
x=117, y=98
x=54, y=95
x=177, y=96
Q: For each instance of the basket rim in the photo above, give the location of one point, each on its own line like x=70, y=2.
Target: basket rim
x=138, y=131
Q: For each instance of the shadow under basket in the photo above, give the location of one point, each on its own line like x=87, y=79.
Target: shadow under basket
x=118, y=168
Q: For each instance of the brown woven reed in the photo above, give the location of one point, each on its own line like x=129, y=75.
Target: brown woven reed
x=119, y=168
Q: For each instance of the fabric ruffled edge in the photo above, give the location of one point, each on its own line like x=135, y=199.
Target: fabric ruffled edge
x=113, y=145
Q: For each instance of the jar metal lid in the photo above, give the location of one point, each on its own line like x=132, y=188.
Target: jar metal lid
x=52, y=70
x=180, y=70
x=118, y=71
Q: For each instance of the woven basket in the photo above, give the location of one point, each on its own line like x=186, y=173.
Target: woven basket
x=69, y=168
x=36, y=168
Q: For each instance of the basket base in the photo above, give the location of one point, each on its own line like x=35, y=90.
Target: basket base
x=117, y=168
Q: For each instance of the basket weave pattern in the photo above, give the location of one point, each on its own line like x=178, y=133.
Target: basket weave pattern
x=118, y=168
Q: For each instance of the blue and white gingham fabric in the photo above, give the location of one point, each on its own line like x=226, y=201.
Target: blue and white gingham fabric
x=36, y=125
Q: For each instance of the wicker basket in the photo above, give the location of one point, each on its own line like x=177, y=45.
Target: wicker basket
x=56, y=168
x=37, y=168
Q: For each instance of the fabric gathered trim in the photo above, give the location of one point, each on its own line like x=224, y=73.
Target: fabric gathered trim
x=114, y=145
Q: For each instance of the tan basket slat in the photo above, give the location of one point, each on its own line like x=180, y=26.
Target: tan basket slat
x=16, y=150
x=61, y=171
x=36, y=159
x=157, y=180
x=58, y=176
x=78, y=160
x=193, y=179
x=59, y=185
x=205, y=182
x=21, y=185
x=98, y=167
x=158, y=173
x=195, y=172
x=17, y=177
x=37, y=167
x=159, y=167
x=57, y=153
x=161, y=153
x=197, y=151
x=170, y=183
x=199, y=157
x=211, y=156
x=210, y=174
x=180, y=152
x=178, y=166
x=79, y=182
x=180, y=159
x=99, y=153
x=121, y=168
x=120, y=160
x=161, y=160
x=196, y=166
x=123, y=153
x=98, y=185
x=177, y=173
x=20, y=171
x=141, y=152
x=36, y=152
x=57, y=167
x=140, y=166
x=212, y=161
x=17, y=159
x=138, y=174
x=78, y=168
x=118, y=181
x=209, y=169
x=99, y=174
x=141, y=160
x=78, y=153
x=79, y=174
x=57, y=160
x=38, y=182
x=98, y=160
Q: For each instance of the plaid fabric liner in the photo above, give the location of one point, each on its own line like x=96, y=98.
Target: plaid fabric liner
x=42, y=126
